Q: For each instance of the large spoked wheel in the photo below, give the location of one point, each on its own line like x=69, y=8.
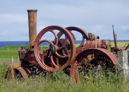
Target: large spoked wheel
x=80, y=31
x=89, y=60
x=56, y=57
x=83, y=33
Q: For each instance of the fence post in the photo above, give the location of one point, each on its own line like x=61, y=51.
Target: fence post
x=7, y=49
x=123, y=65
x=12, y=60
x=18, y=58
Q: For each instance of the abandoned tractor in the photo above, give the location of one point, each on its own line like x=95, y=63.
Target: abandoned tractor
x=62, y=53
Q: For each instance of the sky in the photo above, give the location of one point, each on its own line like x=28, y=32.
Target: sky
x=94, y=16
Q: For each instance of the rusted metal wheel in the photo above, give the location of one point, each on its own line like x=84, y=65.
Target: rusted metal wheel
x=83, y=33
x=15, y=71
x=77, y=29
x=56, y=57
x=90, y=59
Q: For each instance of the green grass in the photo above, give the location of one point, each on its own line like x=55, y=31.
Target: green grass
x=59, y=82
x=12, y=51
x=6, y=55
x=9, y=51
x=120, y=44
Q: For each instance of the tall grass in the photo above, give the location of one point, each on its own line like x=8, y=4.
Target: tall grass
x=60, y=82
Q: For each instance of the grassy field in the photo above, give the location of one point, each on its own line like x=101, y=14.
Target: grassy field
x=6, y=53
x=121, y=44
x=12, y=51
x=59, y=82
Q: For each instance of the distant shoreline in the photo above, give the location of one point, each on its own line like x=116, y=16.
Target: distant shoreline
x=17, y=43
x=77, y=40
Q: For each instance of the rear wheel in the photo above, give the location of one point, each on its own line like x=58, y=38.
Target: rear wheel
x=91, y=61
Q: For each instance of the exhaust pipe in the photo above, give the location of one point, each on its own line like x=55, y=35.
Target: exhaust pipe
x=32, y=18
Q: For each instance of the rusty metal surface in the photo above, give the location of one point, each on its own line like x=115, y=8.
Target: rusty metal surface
x=21, y=54
x=92, y=37
x=97, y=44
x=127, y=47
x=11, y=69
x=92, y=44
x=83, y=33
x=32, y=18
x=91, y=58
x=23, y=73
x=115, y=37
x=116, y=48
x=52, y=66
x=22, y=69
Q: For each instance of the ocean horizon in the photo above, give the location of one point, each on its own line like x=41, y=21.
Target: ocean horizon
x=17, y=43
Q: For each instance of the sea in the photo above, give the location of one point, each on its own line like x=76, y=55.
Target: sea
x=16, y=43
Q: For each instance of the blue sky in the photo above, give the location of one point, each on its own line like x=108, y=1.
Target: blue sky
x=95, y=16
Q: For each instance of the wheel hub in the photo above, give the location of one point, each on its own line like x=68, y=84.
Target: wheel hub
x=53, y=48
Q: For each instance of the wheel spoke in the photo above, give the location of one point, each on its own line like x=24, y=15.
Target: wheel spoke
x=90, y=65
x=62, y=56
x=46, y=41
x=52, y=61
x=96, y=59
x=65, y=49
x=56, y=37
x=46, y=50
x=63, y=44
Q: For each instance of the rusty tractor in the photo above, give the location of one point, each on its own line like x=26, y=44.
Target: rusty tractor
x=62, y=53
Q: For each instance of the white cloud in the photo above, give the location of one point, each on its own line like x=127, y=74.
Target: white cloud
x=93, y=16
x=13, y=18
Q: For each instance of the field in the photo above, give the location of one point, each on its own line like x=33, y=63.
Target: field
x=58, y=82
x=120, y=44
